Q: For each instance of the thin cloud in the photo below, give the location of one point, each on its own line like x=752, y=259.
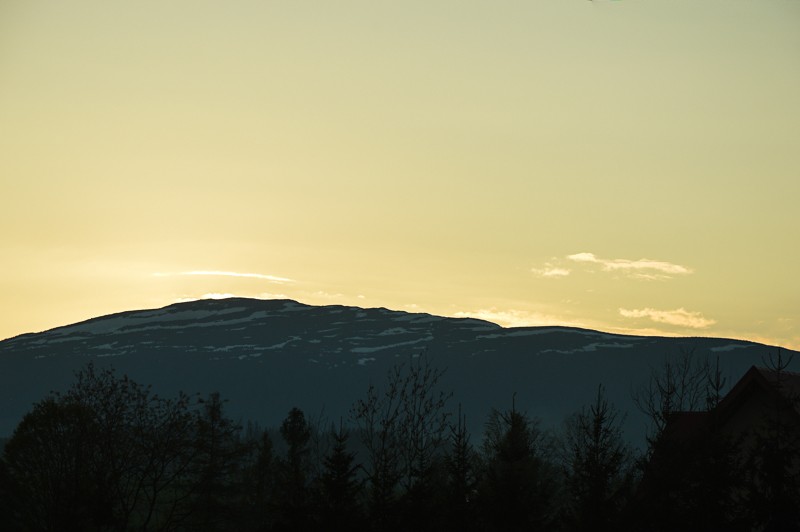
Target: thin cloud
x=327, y=295
x=217, y=295
x=270, y=295
x=210, y=295
x=227, y=295
x=551, y=272
x=647, y=269
x=518, y=318
x=641, y=331
x=265, y=277
x=678, y=317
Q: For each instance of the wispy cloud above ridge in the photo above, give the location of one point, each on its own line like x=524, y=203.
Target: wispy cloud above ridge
x=643, y=268
x=227, y=295
x=210, y=295
x=646, y=269
x=518, y=318
x=679, y=317
x=552, y=272
x=265, y=277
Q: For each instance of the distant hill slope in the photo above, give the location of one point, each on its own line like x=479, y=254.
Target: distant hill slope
x=266, y=356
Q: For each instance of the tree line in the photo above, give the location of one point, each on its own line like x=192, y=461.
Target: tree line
x=110, y=455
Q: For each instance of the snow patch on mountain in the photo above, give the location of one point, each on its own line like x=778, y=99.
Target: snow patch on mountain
x=359, y=350
x=393, y=331
x=513, y=333
x=589, y=348
x=730, y=347
x=113, y=324
x=283, y=344
x=236, y=347
x=84, y=333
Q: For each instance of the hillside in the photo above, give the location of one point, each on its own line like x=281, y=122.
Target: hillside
x=266, y=356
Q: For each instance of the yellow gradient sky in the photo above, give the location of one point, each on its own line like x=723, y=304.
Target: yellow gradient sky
x=630, y=166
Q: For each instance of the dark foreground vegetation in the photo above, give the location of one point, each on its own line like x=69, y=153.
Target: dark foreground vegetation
x=109, y=455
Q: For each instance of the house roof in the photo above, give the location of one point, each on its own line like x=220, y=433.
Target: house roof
x=783, y=385
x=685, y=427
x=788, y=382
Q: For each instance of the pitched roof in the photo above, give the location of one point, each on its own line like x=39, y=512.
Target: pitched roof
x=787, y=382
x=686, y=427
x=781, y=385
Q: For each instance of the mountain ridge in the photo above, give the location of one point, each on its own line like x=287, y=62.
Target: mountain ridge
x=266, y=356
x=386, y=309
x=231, y=299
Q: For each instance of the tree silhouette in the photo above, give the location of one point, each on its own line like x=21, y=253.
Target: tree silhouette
x=462, y=478
x=292, y=479
x=49, y=462
x=219, y=454
x=105, y=455
x=597, y=466
x=340, y=489
x=681, y=384
x=259, y=472
x=518, y=489
x=377, y=417
x=402, y=430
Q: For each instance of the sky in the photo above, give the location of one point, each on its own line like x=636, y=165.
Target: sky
x=628, y=166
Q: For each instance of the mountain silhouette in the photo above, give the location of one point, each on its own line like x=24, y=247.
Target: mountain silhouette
x=267, y=356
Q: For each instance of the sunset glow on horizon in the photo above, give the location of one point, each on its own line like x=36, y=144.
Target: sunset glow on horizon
x=631, y=167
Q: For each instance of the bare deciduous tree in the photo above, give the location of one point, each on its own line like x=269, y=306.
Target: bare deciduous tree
x=680, y=385
x=402, y=428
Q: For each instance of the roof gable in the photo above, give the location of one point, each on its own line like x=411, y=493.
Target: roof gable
x=783, y=386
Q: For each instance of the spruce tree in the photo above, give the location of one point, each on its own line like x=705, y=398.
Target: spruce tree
x=292, y=493
x=219, y=452
x=462, y=478
x=340, y=489
x=260, y=480
x=518, y=489
x=597, y=467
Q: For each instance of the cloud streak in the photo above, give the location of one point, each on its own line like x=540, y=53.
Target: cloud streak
x=264, y=277
x=643, y=268
x=227, y=295
x=551, y=272
x=518, y=318
x=679, y=317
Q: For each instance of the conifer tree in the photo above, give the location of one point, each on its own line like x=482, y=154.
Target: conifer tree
x=597, y=467
x=518, y=489
x=219, y=453
x=259, y=476
x=292, y=494
x=340, y=489
x=462, y=478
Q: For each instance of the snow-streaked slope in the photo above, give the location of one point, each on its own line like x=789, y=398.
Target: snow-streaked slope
x=267, y=356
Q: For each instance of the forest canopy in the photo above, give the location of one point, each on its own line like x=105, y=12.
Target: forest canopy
x=109, y=454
